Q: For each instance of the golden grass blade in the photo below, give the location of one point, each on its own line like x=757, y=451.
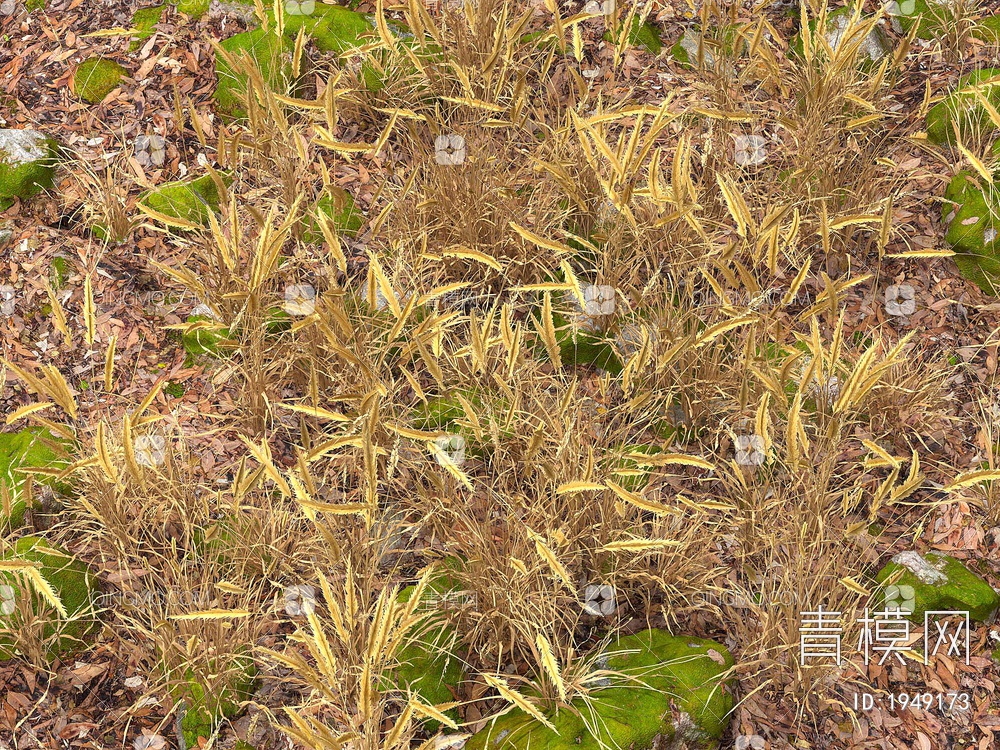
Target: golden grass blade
x=550, y=665
x=103, y=456
x=128, y=446
x=557, y=247
x=735, y=203
x=38, y=582
x=638, y=500
x=574, y=283
x=512, y=696
x=109, y=364
x=441, y=291
x=147, y=402
x=914, y=481
x=26, y=410
x=469, y=254
x=52, y=384
x=321, y=647
x=58, y=314
x=988, y=106
x=670, y=459
x=262, y=453
x=449, y=465
x=713, y=332
x=547, y=331
x=550, y=557
x=568, y=488
x=641, y=545
x=929, y=253
x=976, y=163
x=854, y=586
x=316, y=411
x=211, y=614
x=970, y=478
x=399, y=727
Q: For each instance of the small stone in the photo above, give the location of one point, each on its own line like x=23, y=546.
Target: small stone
x=7, y=7
x=27, y=164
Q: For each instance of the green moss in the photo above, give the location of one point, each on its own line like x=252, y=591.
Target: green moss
x=74, y=585
x=972, y=215
x=34, y=447
x=429, y=664
x=644, y=35
x=31, y=5
x=208, y=701
x=193, y=8
x=338, y=205
x=332, y=28
x=662, y=676
x=278, y=321
x=931, y=17
x=235, y=544
x=95, y=78
x=579, y=347
x=59, y=271
x=988, y=29
x=144, y=22
x=27, y=164
x=206, y=340
x=627, y=472
x=440, y=412
x=189, y=200
x=961, y=109
x=267, y=49
x=936, y=582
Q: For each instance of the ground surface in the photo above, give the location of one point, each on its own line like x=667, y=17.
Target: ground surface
x=86, y=703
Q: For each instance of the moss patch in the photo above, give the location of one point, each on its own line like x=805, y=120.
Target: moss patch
x=205, y=340
x=193, y=8
x=144, y=22
x=74, y=585
x=207, y=703
x=95, y=78
x=29, y=448
x=988, y=29
x=961, y=109
x=931, y=17
x=644, y=35
x=676, y=692
x=27, y=164
x=267, y=50
x=972, y=215
x=580, y=347
x=332, y=28
x=338, y=205
x=936, y=582
x=188, y=201
x=428, y=663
